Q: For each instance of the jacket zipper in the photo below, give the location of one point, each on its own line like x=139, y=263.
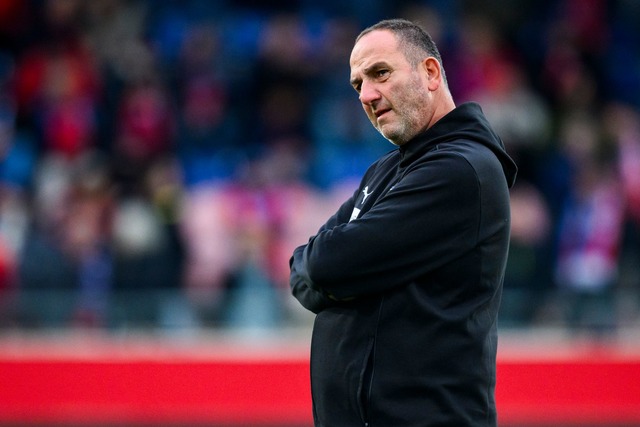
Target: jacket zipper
x=366, y=377
x=368, y=371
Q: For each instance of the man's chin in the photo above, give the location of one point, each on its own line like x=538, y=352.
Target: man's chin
x=393, y=141
x=392, y=137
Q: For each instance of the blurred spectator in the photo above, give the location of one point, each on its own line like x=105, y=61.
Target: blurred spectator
x=145, y=132
x=208, y=139
x=519, y=115
x=622, y=123
x=49, y=261
x=590, y=230
x=282, y=76
x=85, y=237
x=577, y=37
x=58, y=86
x=526, y=288
x=623, y=127
x=480, y=57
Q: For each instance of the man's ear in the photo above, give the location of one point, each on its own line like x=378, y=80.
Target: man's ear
x=433, y=72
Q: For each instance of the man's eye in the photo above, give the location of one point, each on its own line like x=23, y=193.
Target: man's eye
x=382, y=73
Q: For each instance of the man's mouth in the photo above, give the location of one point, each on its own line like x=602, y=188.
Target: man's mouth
x=381, y=112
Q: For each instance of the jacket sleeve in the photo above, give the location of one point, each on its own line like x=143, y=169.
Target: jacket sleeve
x=313, y=299
x=428, y=219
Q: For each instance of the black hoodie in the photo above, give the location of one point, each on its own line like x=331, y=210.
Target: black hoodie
x=406, y=280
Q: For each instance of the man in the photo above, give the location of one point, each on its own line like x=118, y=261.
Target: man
x=406, y=277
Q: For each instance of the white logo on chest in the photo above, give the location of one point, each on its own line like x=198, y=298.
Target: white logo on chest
x=356, y=211
x=366, y=194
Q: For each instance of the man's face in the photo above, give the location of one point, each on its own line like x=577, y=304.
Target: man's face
x=392, y=92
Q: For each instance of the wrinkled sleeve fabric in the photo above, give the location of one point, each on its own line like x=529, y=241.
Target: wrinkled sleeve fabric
x=311, y=299
x=428, y=219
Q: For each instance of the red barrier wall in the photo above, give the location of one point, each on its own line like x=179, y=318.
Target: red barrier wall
x=227, y=384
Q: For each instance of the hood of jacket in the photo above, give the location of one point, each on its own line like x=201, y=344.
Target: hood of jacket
x=467, y=121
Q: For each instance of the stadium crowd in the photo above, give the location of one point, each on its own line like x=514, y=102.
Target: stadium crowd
x=159, y=160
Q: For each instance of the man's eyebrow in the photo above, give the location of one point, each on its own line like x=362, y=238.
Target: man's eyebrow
x=376, y=65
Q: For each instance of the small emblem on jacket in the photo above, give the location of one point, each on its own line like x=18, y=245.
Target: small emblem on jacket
x=366, y=194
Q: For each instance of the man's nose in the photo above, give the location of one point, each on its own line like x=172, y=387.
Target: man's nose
x=368, y=94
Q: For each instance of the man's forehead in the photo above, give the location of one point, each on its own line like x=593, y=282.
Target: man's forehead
x=377, y=42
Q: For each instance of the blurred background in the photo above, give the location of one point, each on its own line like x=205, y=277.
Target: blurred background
x=159, y=160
